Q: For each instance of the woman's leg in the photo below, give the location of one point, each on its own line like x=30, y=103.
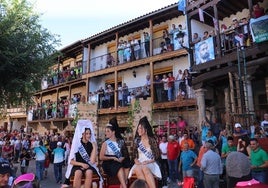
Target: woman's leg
x=77, y=179
x=139, y=172
x=149, y=178
x=122, y=178
x=88, y=179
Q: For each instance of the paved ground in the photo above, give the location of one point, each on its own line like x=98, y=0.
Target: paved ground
x=50, y=181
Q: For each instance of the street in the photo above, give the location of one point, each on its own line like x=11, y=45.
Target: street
x=47, y=182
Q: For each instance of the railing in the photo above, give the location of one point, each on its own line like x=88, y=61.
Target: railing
x=173, y=91
x=64, y=76
x=131, y=53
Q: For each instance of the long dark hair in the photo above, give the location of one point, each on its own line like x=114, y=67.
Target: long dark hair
x=146, y=125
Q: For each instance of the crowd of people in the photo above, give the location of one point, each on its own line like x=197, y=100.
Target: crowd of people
x=204, y=158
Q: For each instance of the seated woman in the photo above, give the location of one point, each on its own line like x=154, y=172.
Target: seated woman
x=82, y=159
x=145, y=154
x=114, y=154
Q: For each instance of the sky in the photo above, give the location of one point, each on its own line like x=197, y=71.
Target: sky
x=80, y=19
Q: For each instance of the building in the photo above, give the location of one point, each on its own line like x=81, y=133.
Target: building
x=230, y=85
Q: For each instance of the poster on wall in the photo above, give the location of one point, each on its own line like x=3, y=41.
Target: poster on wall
x=204, y=51
x=259, y=29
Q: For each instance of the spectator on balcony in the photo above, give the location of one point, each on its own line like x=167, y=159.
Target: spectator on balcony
x=180, y=35
x=101, y=97
x=139, y=93
x=172, y=31
x=163, y=47
x=120, y=51
x=136, y=48
x=167, y=39
x=170, y=84
x=187, y=78
x=158, y=88
x=127, y=51
x=165, y=84
x=195, y=39
x=110, y=60
x=110, y=97
x=147, y=43
x=125, y=94
x=178, y=80
x=54, y=109
x=120, y=95
x=66, y=108
x=257, y=11
x=244, y=23
x=238, y=33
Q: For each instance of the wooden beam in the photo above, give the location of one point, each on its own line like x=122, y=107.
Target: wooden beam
x=203, y=7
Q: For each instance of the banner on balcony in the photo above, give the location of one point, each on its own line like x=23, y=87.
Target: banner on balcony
x=204, y=51
x=259, y=29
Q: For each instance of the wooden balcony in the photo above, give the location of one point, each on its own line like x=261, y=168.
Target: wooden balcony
x=175, y=104
x=140, y=62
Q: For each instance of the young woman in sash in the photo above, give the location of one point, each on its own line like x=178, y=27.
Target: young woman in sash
x=114, y=153
x=145, y=154
x=82, y=159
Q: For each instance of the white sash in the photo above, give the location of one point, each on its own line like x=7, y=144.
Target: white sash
x=114, y=149
x=148, y=154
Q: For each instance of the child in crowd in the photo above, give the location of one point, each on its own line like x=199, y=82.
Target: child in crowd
x=25, y=158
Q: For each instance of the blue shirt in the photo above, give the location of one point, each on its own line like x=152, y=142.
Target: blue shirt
x=211, y=163
x=39, y=154
x=58, y=155
x=187, y=158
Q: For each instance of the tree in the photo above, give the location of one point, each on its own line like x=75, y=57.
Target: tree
x=27, y=50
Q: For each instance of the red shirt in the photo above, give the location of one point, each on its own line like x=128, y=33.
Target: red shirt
x=173, y=150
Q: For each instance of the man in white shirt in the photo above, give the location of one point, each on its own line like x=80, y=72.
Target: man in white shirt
x=164, y=163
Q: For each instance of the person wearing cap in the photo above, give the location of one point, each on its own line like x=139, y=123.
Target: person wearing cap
x=59, y=156
x=173, y=152
x=238, y=132
x=5, y=173
x=145, y=154
x=114, y=153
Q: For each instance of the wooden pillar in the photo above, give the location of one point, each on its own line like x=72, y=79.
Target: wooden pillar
x=115, y=89
x=116, y=47
x=88, y=59
x=151, y=36
x=217, y=28
x=227, y=107
x=152, y=82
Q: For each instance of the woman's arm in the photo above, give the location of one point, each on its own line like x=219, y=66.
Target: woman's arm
x=102, y=153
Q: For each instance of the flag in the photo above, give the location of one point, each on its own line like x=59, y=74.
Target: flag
x=216, y=25
x=201, y=15
x=181, y=6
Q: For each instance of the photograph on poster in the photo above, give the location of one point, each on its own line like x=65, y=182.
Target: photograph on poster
x=204, y=51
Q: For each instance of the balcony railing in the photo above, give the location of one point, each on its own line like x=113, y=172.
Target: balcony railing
x=163, y=92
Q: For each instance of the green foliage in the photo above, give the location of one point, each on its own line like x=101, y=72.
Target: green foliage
x=27, y=50
x=132, y=110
